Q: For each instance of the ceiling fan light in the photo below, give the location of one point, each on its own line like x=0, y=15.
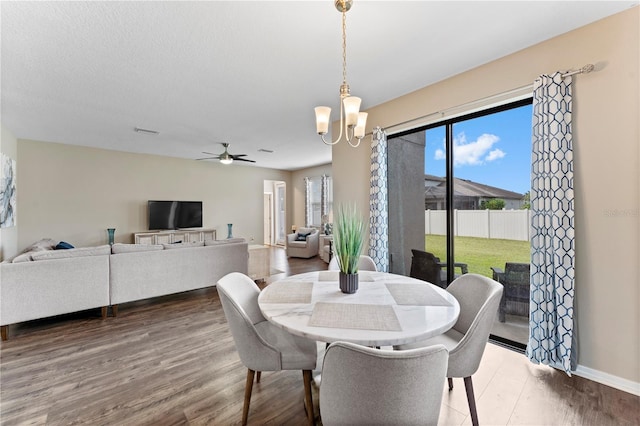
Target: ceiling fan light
x=226, y=159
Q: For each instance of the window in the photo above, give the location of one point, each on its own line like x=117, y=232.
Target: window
x=319, y=200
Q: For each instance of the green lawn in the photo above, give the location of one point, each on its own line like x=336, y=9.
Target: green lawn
x=480, y=253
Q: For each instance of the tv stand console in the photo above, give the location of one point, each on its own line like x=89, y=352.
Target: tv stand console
x=174, y=236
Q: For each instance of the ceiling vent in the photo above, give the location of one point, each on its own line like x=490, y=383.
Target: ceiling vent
x=146, y=131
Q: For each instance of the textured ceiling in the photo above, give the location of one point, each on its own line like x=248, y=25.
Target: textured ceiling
x=246, y=73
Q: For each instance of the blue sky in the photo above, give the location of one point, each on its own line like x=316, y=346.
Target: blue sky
x=494, y=150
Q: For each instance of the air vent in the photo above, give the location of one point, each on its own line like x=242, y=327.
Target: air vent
x=268, y=151
x=147, y=131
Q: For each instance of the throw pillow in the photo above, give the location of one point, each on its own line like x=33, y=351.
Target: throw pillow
x=63, y=245
x=43, y=244
x=302, y=237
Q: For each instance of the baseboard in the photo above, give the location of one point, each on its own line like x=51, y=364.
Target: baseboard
x=608, y=379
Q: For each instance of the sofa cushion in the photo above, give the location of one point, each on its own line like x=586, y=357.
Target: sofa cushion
x=215, y=242
x=183, y=245
x=24, y=257
x=74, y=252
x=131, y=248
x=297, y=244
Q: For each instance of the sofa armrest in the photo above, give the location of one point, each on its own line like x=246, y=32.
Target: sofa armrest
x=44, y=288
x=313, y=240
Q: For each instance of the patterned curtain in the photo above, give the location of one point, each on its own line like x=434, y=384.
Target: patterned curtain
x=307, y=202
x=324, y=211
x=551, y=329
x=378, y=202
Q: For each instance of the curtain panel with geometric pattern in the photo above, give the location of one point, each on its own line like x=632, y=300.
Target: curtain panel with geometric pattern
x=379, y=202
x=551, y=325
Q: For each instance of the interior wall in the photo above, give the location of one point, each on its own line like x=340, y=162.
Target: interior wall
x=9, y=235
x=74, y=193
x=297, y=192
x=606, y=171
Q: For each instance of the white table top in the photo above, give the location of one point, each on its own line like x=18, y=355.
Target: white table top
x=392, y=309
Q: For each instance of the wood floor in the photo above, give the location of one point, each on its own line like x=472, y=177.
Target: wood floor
x=171, y=361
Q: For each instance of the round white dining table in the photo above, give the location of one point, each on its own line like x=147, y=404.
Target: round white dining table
x=387, y=309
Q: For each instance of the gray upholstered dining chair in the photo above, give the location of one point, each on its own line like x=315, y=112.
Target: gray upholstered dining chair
x=479, y=298
x=366, y=386
x=261, y=345
x=364, y=264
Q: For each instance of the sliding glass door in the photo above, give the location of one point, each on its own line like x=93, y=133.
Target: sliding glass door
x=476, y=212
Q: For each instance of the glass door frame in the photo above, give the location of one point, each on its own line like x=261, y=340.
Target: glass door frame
x=449, y=195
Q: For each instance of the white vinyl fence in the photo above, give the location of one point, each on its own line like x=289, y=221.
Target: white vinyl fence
x=499, y=224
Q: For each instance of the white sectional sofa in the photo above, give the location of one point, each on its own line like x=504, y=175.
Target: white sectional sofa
x=56, y=282
x=48, y=287
x=173, y=268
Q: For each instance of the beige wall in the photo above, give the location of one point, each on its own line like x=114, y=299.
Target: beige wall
x=75, y=193
x=9, y=236
x=297, y=192
x=606, y=173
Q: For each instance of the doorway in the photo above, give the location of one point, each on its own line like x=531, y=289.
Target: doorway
x=274, y=212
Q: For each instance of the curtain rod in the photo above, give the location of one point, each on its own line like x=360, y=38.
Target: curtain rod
x=585, y=69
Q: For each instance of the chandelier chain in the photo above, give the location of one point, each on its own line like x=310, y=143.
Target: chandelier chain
x=344, y=43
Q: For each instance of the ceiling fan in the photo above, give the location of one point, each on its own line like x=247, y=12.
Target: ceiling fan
x=225, y=157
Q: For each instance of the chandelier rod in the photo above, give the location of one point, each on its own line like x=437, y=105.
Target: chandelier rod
x=518, y=93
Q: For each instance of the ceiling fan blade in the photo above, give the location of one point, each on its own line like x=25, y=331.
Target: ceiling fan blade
x=238, y=155
x=208, y=158
x=208, y=153
x=244, y=159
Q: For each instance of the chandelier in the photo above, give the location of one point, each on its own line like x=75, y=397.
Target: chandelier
x=352, y=121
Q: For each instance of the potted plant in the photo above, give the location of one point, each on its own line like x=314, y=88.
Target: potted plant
x=348, y=239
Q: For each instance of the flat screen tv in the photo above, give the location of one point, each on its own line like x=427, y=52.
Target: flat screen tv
x=174, y=214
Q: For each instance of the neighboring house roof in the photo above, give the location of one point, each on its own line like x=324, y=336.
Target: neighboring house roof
x=433, y=178
x=467, y=188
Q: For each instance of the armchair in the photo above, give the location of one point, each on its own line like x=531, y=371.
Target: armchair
x=326, y=247
x=303, y=243
x=517, y=284
x=427, y=267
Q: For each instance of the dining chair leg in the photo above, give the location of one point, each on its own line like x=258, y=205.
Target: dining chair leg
x=308, y=399
x=450, y=383
x=472, y=400
x=247, y=396
x=258, y=374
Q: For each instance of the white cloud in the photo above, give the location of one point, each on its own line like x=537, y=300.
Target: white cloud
x=473, y=153
x=494, y=155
